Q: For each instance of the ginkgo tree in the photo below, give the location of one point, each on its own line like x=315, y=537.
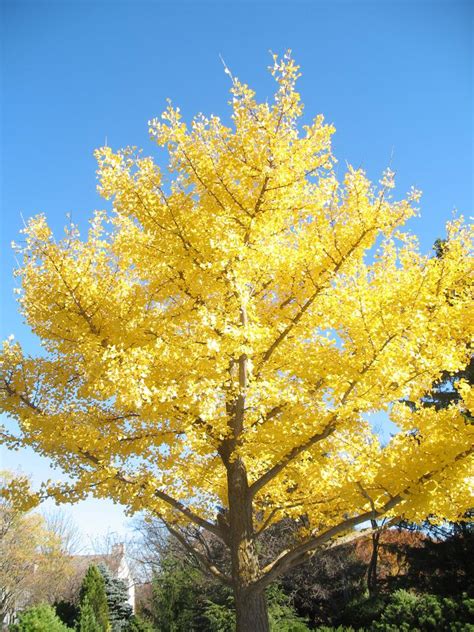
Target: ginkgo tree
x=215, y=344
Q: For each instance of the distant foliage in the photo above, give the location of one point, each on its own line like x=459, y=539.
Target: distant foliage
x=40, y=618
x=282, y=615
x=444, y=565
x=361, y=612
x=33, y=565
x=324, y=587
x=175, y=601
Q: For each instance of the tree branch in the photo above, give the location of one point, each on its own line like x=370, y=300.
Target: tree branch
x=89, y=456
x=193, y=517
x=201, y=558
x=330, y=428
x=257, y=485
x=294, y=321
x=290, y=558
x=169, y=500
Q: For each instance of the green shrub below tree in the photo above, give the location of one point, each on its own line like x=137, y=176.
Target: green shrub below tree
x=41, y=618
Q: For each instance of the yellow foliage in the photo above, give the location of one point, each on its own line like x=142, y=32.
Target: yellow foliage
x=247, y=276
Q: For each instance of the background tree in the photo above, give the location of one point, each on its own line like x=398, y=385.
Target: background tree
x=215, y=343
x=93, y=597
x=444, y=565
x=33, y=565
x=67, y=611
x=323, y=588
x=179, y=596
x=137, y=624
x=62, y=525
x=116, y=592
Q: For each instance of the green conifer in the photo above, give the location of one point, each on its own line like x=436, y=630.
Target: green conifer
x=39, y=618
x=93, y=590
x=116, y=590
x=87, y=620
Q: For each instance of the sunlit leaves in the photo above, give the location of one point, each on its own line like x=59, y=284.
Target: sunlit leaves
x=248, y=247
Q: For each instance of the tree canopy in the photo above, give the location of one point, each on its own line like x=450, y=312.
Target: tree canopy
x=214, y=344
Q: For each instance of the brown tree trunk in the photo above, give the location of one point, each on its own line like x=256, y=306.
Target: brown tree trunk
x=250, y=605
x=372, y=569
x=251, y=610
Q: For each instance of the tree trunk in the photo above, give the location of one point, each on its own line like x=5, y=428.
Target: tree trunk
x=251, y=610
x=250, y=605
x=372, y=569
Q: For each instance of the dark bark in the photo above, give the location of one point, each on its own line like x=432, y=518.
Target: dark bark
x=250, y=604
x=372, y=568
x=251, y=610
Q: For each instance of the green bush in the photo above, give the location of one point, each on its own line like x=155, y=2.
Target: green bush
x=220, y=617
x=40, y=618
x=137, y=624
x=340, y=628
x=408, y=612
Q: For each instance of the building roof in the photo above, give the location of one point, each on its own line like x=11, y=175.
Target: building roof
x=111, y=560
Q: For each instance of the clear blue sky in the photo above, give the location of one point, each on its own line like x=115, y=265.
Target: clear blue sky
x=394, y=77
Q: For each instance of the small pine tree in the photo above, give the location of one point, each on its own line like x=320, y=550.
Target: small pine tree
x=93, y=590
x=116, y=592
x=87, y=619
x=41, y=618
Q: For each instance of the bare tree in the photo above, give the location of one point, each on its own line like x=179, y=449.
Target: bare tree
x=61, y=523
